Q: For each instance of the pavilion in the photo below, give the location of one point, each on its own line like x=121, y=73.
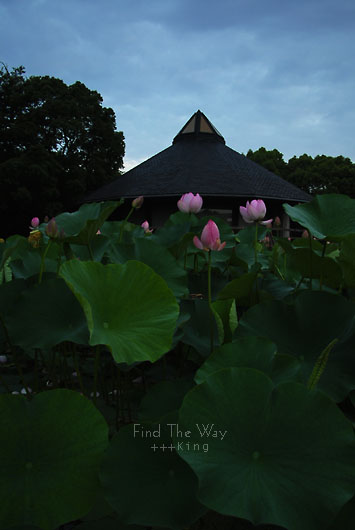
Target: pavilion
x=199, y=161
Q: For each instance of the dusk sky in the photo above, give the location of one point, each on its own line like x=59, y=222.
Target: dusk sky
x=272, y=73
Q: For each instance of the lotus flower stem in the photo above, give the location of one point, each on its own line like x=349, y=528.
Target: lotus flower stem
x=210, y=299
x=256, y=243
x=124, y=223
x=44, y=254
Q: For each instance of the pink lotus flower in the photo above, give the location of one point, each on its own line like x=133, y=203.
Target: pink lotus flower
x=190, y=203
x=34, y=223
x=137, y=203
x=254, y=211
x=210, y=239
x=145, y=226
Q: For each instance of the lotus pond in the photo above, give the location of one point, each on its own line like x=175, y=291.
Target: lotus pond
x=148, y=381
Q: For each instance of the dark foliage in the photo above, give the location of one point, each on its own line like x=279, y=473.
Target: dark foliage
x=57, y=142
x=318, y=175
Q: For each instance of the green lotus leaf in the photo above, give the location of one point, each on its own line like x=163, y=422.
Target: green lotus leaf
x=14, y=247
x=146, y=482
x=242, y=289
x=247, y=234
x=49, y=458
x=129, y=308
x=171, y=234
x=158, y=258
x=275, y=287
x=326, y=216
x=252, y=352
x=80, y=227
x=45, y=315
x=246, y=253
x=304, y=329
x=310, y=264
x=282, y=455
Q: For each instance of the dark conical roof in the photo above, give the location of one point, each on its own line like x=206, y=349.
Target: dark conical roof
x=198, y=161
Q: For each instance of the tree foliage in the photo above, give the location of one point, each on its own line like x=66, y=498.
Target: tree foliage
x=57, y=142
x=318, y=175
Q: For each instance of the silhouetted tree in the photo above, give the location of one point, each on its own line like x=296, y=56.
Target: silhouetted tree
x=321, y=174
x=57, y=142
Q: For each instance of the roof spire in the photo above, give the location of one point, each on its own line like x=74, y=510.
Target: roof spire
x=199, y=127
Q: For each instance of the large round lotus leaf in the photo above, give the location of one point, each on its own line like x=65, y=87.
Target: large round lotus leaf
x=50, y=450
x=157, y=257
x=250, y=352
x=47, y=314
x=129, y=308
x=330, y=215
x=304, y=329
x=282, y=455
x=146, y=482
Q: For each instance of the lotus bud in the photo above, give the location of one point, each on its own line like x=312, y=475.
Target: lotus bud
x=34, y=223
x=145, y=226
x=254, y=211
x=305, y=233
x=210, y=239
x=46, y=219
x=137, y=203
x=190, y=203
x=52, y=230
x=277, y=221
